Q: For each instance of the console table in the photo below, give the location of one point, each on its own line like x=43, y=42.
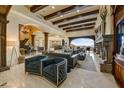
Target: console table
x=119, y=69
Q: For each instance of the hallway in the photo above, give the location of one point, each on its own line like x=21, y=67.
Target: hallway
x=77, y=78
x=88, y=63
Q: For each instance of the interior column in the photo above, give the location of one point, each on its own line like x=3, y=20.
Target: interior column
x=3, y=23
x=33, y=40
x=46, y=41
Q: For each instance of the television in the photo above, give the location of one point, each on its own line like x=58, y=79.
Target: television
x=120, y=38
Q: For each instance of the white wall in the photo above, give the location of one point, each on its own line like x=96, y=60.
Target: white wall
x=12, y=35
x=21, y=15
x=81, y=33
x=31, y=18
x=109, y=21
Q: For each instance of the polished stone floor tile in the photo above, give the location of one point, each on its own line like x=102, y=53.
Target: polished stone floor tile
x=77, y=78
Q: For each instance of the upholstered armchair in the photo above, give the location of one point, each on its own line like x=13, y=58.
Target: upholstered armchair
x=34, y=64
x=55, y=70
x=71, y=59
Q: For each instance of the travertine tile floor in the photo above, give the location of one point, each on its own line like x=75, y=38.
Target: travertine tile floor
x=77, y=78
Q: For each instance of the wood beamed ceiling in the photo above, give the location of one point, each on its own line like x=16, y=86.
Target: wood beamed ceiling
x=71, y=17
x=64, y=11
x=79, y=29
x=4, y=10
x=76, y=16
x=77, y=22
x=77, y=26
x=36, y=8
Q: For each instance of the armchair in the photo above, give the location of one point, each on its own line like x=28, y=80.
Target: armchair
x=71, y=59
x=55, y=70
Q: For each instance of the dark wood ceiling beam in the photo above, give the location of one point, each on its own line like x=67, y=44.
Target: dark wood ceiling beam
x=78, y=29
x=8, y=9
x=78, y=22
x=4, y=10
x=76, y=16
x=36, y=8
x=77, y=26
x=62, y=12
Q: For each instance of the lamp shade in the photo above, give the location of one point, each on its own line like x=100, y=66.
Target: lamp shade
x=11, y=43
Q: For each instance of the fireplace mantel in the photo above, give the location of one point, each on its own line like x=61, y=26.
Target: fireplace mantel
x=103, y=38
x=104, y=45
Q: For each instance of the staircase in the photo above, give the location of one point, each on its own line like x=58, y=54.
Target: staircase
x=23, y=42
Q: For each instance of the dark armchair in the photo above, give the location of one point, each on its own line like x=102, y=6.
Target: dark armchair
x=71, y=59
x=34, y=64
x=55, y=70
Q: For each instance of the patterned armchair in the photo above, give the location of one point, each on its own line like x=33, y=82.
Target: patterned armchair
x=55, y=70
x=34, y=64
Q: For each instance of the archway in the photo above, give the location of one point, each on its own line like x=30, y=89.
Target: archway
x=83, y=42
x=27, y=37
x=90, y=37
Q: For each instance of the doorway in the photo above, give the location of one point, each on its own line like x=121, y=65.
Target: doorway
x=27, y=38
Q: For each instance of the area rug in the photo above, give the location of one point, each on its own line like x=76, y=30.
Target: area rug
x=87, y=64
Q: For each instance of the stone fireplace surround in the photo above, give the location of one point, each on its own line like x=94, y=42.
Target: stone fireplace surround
x=104, y=50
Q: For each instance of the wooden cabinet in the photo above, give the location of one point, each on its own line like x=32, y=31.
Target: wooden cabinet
x=119, y=70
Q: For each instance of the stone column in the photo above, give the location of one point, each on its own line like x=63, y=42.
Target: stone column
x=106, y=47
x=33, y=40
x=46, y=41
x=103, y=51
x=98, y=48
x=3, y=23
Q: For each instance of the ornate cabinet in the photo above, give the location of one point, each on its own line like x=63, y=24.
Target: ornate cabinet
x=119, y=70
x=118, y=66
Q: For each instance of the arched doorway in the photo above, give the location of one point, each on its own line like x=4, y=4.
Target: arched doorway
x=90, y=37
x=82, y=41
x=87, y=42
x=27, y=37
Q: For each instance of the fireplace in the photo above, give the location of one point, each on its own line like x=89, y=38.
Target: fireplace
x=104, y=50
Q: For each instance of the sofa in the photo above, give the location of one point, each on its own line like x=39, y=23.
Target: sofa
x=55, y=70
x=80, y=52
x=34, y=64
x=82, y=56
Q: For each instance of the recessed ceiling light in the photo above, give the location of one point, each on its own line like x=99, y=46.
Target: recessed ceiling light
x=53, y=7
x=61, y=15
x=78, y=11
